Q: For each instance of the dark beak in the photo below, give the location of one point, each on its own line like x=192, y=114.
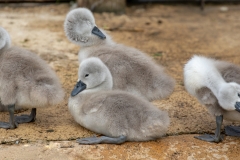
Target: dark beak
x=237, y=105
x=98, y=33
x=79, y=87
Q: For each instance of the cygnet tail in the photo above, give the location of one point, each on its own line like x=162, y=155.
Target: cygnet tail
x=230, y=72
x=165, y=122
x=163, y=86
x=157, y=125
x=168, y=84
x=5, y=40
x=47, y=94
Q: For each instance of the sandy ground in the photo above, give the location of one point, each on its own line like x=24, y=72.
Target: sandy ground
x=169, y=34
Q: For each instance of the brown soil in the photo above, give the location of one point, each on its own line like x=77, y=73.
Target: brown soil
x=169, y=34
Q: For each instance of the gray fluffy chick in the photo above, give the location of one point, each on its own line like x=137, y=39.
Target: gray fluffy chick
x=132, y=70
x=118, y=115
x=26, y=81
x=216, y=84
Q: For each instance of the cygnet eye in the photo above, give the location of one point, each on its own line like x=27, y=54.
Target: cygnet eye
x=86, y=75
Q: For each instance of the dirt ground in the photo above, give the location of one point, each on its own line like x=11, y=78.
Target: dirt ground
x=170, y=34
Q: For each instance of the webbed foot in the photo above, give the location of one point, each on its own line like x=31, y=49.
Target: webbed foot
x=102, y=139
x=7, y=125
x=12, y=123
x=210, y=138
x=214, y=138
x=232, y=131
x=26, y=118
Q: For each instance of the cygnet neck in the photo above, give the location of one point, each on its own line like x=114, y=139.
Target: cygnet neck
x=106, y=85
x=5, y=41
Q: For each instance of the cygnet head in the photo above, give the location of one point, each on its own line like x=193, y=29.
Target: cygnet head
x=80, y=28
x=93, y=75
x=5, y=40
x=229, y=96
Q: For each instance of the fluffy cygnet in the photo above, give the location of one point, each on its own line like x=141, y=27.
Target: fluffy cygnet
x=132, y=70
x=118, y=115
x=26, y=81
x=216, y=84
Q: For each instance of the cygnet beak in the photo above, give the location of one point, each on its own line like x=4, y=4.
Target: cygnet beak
x=98, y=33
x=79, y=87
x=237, y=105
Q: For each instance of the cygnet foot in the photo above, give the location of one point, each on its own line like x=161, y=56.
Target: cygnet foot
x=214, y=138
x=26, y=118
x=102, y=139
x=232, y=131
x=12, y=123
x=7, y=125
x=210, y=138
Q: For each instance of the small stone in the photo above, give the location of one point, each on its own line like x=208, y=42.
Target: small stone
x=223, y=9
